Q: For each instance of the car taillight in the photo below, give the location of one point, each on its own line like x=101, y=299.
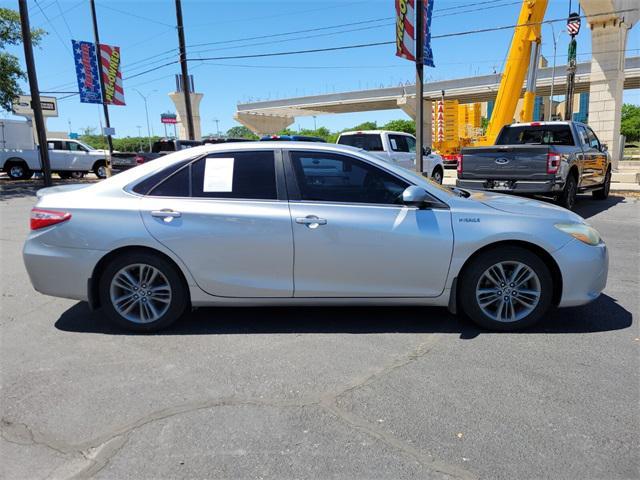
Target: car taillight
x=45, y=218
x=553, y=162
x=139, y=159
x=459, y=169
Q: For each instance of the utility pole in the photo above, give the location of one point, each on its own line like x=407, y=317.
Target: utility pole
x=419, y=82
x=35, y=92
x=105, y=106
x=217, y=126
x=185, y=71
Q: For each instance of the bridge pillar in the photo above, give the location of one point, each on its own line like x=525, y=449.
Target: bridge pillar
x=181, y=108
x=608, y=44
x=263, y=124
x=408, y=106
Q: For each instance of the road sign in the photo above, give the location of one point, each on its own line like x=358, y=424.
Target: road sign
x=22, y=106
x=73, y=135
x=108, y=131
x=168, y=118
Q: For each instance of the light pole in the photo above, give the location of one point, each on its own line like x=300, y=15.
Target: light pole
x=139, y=137
x=553, y=70
x=315, y=127
x=146, y=110
x=217, y=126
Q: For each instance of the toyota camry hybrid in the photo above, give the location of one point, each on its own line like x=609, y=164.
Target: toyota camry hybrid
x=293, y=223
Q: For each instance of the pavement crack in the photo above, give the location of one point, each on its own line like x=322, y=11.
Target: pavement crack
x=22, y=434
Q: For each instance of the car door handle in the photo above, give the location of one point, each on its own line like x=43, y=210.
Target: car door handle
x=311, y=221
x=165, y=213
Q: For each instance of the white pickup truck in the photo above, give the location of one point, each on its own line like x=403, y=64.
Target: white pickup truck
x=397, y=148
x=68, y=158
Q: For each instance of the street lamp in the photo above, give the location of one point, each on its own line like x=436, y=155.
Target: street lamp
x=146, y=109
x=217, y=126
x=553, y=70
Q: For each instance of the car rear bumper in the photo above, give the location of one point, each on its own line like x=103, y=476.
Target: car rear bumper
x=516, y=186
x=59, y=271
x=584, y=271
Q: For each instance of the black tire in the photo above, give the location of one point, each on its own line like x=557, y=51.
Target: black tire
x=603, y=193
x=64, y=175
x=437, y=175
x=479, y=265
x=100, y=169
x=567, y=198
x=179, y=291
x=18, y=170
x=77, y=175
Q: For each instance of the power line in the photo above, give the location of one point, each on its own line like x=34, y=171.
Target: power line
x=64, y=19
x=124, y=12
x=54, y=28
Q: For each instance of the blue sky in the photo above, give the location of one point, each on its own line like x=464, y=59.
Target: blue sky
x=144, y=29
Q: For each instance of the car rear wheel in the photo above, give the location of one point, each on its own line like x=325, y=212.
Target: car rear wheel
x=603, y=193
x=100, y=169
x=142, y=292
x=567, y=198
x=18, y=171
x=506, y=289
x=437, y=175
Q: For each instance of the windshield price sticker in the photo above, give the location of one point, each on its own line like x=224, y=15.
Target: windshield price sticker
x=218, y=175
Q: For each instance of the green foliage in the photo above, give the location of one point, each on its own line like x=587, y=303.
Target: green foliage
x=126, y=144
x=241, y=131
x=10, y=71
x=364, y=126
x=406, y=126
x=630, y=124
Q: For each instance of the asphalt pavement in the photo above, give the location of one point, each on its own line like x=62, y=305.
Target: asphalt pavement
x=328, y=393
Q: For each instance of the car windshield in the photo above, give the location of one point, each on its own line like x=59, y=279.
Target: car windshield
x=88, y=147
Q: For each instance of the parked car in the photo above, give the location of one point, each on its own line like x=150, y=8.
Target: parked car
x=159, y=149
x=216, y=140
x=396, y=147
x=217, y=225
x=557, y=159
x=67, y=158
x=291, y=138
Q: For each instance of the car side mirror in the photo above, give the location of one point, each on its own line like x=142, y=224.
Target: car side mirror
x=426, y=151
x=414, y=196
x=604, y=147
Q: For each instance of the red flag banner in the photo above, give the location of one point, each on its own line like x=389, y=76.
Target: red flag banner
x=405, y=29
x=111, y=74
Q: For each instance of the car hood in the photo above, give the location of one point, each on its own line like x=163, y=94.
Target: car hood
x=525, y=206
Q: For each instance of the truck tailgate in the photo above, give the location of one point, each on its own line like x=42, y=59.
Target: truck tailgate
x=513, y=162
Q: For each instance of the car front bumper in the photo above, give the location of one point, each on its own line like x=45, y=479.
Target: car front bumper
x=584, y=271
x=515, y=186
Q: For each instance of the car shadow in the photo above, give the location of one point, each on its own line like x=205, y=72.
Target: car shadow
x=604, y=314
x=10, y=189
x=587, y=207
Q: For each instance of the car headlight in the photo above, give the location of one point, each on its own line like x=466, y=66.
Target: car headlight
x=581, y=231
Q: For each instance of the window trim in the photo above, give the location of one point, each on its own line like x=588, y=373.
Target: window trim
x=294, y=189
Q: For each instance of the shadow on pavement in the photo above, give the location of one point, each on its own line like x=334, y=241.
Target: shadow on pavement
x=587, y=207
x=604, y=314
x=10, y=189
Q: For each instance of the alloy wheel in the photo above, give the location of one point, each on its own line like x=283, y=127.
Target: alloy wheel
x=140, y=293
x=508, y=291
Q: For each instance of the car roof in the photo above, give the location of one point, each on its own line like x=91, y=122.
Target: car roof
x=360, y=132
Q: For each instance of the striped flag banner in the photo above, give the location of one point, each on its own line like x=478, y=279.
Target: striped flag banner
x=111, y=74
x=405, y=29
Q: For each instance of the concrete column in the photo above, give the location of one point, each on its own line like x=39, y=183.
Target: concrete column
x=608, y=42
x=178, y=101
x=408, y=106
x=263, y=124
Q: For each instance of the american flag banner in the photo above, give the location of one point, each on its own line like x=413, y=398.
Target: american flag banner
x=428, y=53
x=84, y=55
x=405, y=29
x=111, y=74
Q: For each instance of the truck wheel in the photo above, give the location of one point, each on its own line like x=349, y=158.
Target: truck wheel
x=567, y=198
x=506, y=289
x=437, y=175
x=100, y=169
x=64, y=175
x=603, y=193
x=18, y=171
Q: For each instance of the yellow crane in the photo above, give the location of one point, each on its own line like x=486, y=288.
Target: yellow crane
x=522, y=58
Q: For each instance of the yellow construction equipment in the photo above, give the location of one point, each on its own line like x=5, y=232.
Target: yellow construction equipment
x=458, y=126
x=523, y=56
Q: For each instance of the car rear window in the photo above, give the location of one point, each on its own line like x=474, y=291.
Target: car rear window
x=366, y=141
x=536, y=135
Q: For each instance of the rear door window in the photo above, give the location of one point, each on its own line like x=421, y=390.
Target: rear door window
x=242, y=175
x=399, y=143
x=367, y=141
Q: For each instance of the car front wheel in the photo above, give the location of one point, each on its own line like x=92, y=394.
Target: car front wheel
x=506, y=289
x=142, y=292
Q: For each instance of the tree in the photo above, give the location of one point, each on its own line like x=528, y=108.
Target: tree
x=365, y=126
x=10, y=71
x=406, y=126
x=630, y=123
x=241, y=131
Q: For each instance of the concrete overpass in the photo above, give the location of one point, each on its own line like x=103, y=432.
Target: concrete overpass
x=604, y=77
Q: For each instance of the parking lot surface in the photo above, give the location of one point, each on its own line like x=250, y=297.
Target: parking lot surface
x=281, y=393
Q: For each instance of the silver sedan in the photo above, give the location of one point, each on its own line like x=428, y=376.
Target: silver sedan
x=288, y=223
